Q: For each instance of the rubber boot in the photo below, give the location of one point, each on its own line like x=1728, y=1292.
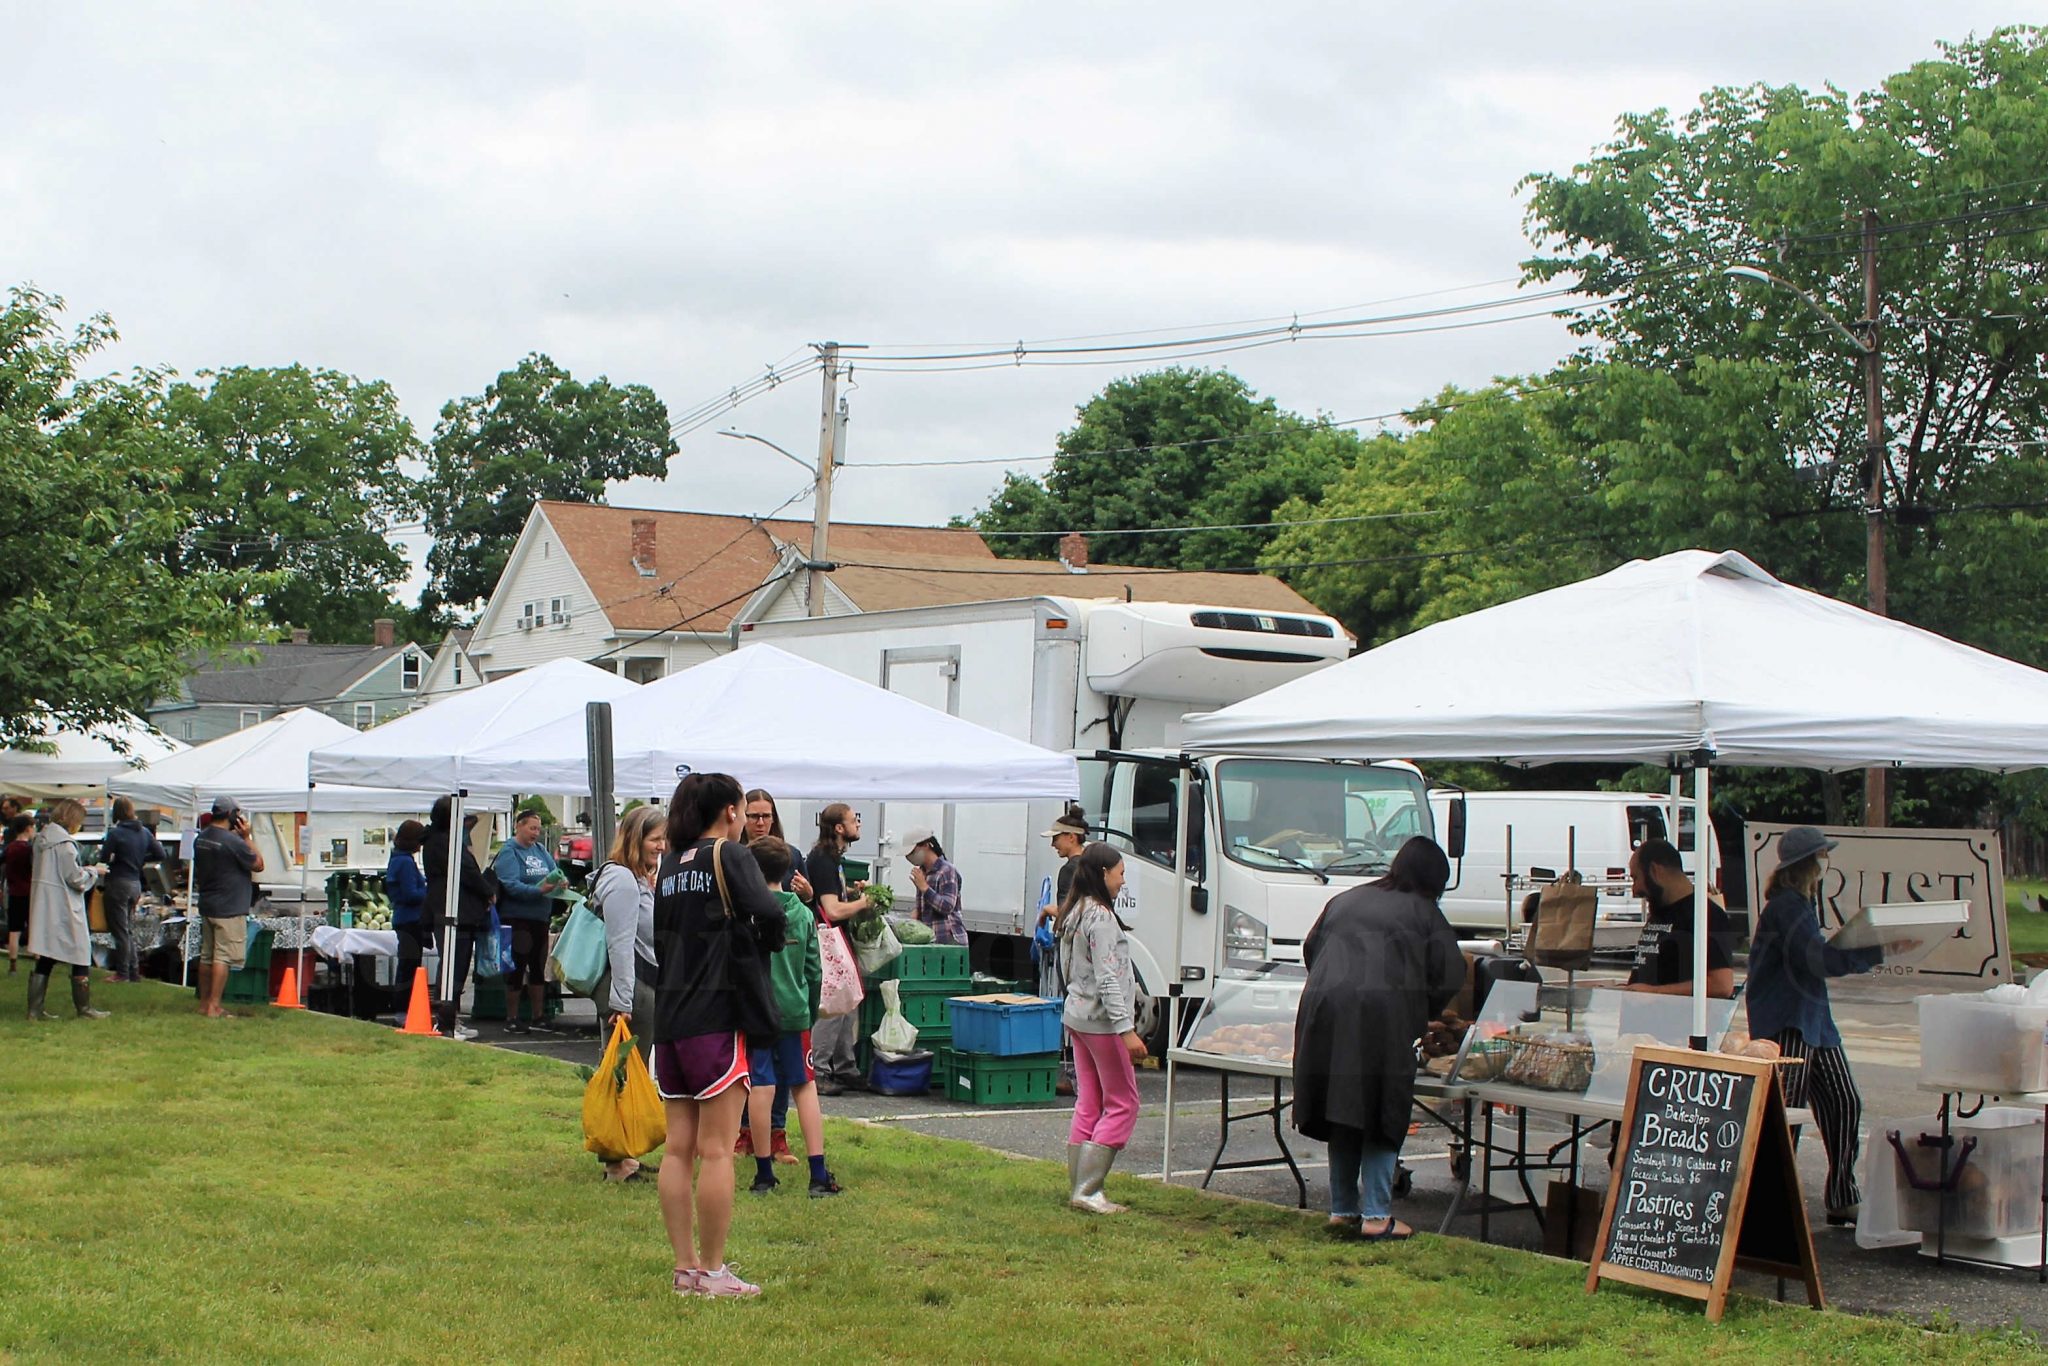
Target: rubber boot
x=1073, y=1170
x=38, y=992
x=81, y=999
x=1091, y=1169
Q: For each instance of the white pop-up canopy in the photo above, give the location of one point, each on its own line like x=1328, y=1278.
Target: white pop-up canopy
x=432, y=749
x=1652, y=663
x=1693, y=659
x=774, y=720
x=264, y=769
x=81, y=763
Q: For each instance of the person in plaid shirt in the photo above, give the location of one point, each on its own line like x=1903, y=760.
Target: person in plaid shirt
x=938, y=888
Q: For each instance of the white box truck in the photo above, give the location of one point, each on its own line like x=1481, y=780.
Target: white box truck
x=1530, y=837
x=1269, y=841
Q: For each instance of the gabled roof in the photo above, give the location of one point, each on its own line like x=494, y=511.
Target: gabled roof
x=286, y=675
x=710, y=564
x=880, y=583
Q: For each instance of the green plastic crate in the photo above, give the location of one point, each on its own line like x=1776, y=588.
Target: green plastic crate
x=981, y=1079
x=250, y=983
x=489, y=1001
x=937, y=964
x=926, y=1007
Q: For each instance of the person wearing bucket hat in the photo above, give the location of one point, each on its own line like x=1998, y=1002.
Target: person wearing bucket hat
x=1787, y=997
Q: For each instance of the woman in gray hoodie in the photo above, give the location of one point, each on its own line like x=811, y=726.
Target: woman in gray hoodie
x=1102, y=993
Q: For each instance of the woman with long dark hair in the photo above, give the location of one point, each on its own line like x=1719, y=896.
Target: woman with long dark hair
x=1101, y=1015
x=1787, y=999
x=405, y=884
x=1381, y=961
x=714, y=919
x=474, y=890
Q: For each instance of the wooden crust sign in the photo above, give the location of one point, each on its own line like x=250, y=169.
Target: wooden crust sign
x=1704, y=1181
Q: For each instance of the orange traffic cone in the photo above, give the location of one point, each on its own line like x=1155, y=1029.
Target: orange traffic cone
x=288, y=991
x=419, y=1015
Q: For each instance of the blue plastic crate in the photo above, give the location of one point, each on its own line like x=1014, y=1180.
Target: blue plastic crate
x=1005, y=1029
x=909, y=1077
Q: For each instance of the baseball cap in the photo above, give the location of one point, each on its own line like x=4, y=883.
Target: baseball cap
x=226, y=808
x=1072, y=823
x=916, y=835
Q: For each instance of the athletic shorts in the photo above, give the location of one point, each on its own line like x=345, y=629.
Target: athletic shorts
x=786, y=1062
x=700, y=1066
x=529, y=953
x=223, y=940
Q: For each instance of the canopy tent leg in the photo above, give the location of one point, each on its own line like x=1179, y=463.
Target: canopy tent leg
x=1173, y=985
x=457, y=838
x=1702, y=832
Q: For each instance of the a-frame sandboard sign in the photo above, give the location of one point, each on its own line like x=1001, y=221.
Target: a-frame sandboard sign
x=1704, y=1181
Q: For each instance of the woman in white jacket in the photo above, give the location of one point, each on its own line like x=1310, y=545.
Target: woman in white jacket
x=57, y=927
x=622, y=894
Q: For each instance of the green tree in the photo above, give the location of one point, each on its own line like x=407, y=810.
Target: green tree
x=97, y=619
x=1174, y=447
x=535, y=433
x=1950, y=153
x=299, y=473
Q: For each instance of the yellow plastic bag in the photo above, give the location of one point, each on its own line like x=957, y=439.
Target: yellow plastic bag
x=622, y=1114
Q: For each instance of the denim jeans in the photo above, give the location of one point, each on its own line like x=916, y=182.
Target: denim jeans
x=1360, y=1168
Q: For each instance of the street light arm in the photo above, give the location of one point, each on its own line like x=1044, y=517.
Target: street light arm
x=749, y=436
x=1863, y=344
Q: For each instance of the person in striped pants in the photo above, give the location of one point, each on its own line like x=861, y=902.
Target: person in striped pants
x=1789, y=967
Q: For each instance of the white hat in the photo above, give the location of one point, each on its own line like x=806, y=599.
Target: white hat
x=916, y=835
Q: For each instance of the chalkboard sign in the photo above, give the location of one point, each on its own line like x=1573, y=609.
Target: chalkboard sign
x=1704, y=1143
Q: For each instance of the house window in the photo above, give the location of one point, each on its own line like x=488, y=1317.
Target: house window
x=409, y=673
x=248, y=719
x=366, y=715
x=643, y=670
x=529, y=616
x=556, y=614
x=186, y=726
x=458, y=671
x=547, y=550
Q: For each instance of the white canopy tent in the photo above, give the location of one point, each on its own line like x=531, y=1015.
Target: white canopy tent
x=1693, y=660
x=263, y=768
x=774, y=720
x=82, y=763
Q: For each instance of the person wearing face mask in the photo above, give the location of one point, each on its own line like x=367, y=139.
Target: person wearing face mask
x=938, y=888
x=1789, y=967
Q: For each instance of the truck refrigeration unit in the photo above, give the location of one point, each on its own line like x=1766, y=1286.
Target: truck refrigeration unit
x=1268, y=841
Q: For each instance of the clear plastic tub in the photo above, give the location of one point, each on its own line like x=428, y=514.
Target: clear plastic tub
x=1973, y=1045
x=1994, y=1175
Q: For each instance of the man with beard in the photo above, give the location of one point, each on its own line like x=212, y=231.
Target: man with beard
x=1664, y=953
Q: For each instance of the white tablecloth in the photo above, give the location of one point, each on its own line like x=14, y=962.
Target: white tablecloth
x=330, y=942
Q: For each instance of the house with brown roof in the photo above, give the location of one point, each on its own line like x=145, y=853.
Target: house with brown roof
x=647, y=592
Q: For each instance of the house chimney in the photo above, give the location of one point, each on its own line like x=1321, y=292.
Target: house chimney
x=386, y=633
x=643, y=546
x=301, y=636
x=1074, y=552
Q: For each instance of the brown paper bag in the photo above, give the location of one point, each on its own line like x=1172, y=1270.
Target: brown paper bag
x=1562, y=936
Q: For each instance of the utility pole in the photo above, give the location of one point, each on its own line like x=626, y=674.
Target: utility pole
x=1876, y=799
x=828, y=441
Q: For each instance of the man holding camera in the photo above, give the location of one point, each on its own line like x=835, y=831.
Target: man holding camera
x=224, y=865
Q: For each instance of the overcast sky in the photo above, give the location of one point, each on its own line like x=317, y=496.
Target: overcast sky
x=684, y=194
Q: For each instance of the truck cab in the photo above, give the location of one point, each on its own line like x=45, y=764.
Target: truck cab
x=1268, y=843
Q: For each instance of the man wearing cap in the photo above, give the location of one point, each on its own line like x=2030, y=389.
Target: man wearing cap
x=1069, y=836
x=224, y=865
x=938, y=888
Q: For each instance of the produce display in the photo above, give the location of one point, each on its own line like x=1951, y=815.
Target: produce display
x=910, y=930
x=881, y=896
x=370, y=908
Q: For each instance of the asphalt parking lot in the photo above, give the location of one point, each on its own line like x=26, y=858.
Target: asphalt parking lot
x=1879, y=1025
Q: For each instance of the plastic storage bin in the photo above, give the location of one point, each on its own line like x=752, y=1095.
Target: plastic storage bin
x=1016, y=1027
x=250, y=983
x=1994, y=1175
x=935, y=964
x=983, y=1079
x=910, y=1076
x=1970, y=1044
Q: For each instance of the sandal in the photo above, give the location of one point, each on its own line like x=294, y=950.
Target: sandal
x=1342, y=1228
x=1394, y=1232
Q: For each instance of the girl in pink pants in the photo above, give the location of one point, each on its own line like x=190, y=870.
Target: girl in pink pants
x=1095, y=962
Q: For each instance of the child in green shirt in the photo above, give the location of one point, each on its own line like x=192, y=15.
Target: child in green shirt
x=797, y=974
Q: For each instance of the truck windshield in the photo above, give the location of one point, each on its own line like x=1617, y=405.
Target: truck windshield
x=1295, y=813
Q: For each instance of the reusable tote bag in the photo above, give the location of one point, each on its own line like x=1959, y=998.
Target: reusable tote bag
x=841, y=993
x=581, y=956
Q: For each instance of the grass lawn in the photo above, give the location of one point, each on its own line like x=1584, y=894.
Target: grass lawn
x=292, y=1186
x=2028, y=926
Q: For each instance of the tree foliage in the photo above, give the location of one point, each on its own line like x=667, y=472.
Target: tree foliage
x=297, y=473
x=1175, y=447
x=97, y=619
x=535, y=433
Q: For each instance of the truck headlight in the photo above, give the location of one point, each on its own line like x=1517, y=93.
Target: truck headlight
x=1245, y=938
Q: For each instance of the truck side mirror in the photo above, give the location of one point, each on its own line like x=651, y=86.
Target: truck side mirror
x=1454, y=836
x=1198, y=900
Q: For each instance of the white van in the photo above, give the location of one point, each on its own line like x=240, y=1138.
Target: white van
x=1538, y=835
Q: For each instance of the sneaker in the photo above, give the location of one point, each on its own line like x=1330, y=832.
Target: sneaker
x=821, y=1189
x=830, y=1088
x=464, y=1033
x=542, y=1027
x=517, y=1027
x=688, y=1282
x=778, y=1148
x=722, y=1283
x=743, y=1146
x=763, y=1185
